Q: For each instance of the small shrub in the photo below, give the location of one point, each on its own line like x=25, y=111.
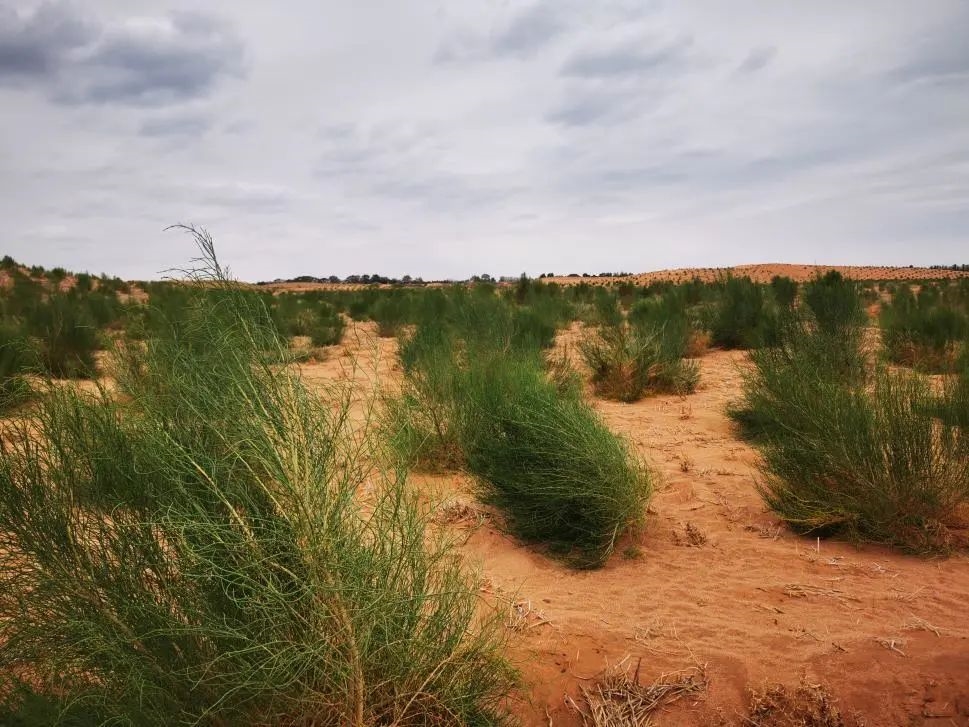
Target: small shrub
x=870, y=461
x=326, y=326
x=391, y=311
x=742, y=318
x=629, y=362
x=548, y=461
x=834, y=301
x=67, y=337
x=922, y=332
x=421, y=423
x=953, y=405
x=301, y=316
x=15, y=361
x=784, y=290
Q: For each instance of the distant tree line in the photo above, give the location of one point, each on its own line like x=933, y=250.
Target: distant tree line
x=374, y=279
x=587, y=275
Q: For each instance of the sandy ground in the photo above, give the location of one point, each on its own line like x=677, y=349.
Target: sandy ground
x=886, y=633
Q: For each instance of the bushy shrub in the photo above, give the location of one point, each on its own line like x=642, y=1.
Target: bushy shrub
x=784, y=290
x=421, y=421
x=307, y=315
x=603, y=308
x=782, y=375
x=953, y=405
x=922, y=332
x=548, y=461
x=627, y=362
x=742, y=318
x=846, y=455
x=834, y=301
x=197, y=552
x=477, y=393
x=67, y=337
x=15, y=361
x=391, y=311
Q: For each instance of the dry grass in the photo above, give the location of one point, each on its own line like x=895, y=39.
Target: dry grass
x=459, y=512
x=618, y=699
x=692, y=536
x=809, y=705
x=697, y=344
x=916, y=623
x=801, y=590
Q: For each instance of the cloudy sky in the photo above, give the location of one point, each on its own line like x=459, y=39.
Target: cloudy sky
x=448, y=138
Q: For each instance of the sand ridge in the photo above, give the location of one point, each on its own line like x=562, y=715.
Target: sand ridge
x=764, y=272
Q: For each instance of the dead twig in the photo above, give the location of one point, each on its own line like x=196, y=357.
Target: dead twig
x=619, y=700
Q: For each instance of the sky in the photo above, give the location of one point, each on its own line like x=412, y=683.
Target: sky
x=444, y=139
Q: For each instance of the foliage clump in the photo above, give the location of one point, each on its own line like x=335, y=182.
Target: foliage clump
x=199, y=549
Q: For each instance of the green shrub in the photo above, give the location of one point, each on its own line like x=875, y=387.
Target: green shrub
x=390, y=312
x=15, y=361
x=198, y=552
x=846, y=455
x=627, y=362
x=784, y=290
x=476, y=393
x=783, y=375
x=922, y=332
x=834, y=301
x=420, y=423
x=602, y=309
x=548, y=461
x=742, y=319
x=953, y=404
x=67, y=337
x=871, y=464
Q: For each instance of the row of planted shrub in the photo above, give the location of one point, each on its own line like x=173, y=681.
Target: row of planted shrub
x=49, y=330
x=196, y=546
x=478, y=394
x=851, y=446
x=645, y=330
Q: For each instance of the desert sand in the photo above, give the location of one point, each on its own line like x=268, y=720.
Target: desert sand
x=763, y=272
x=714, y=581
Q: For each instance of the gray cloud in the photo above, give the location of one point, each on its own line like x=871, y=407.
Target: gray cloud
x=530, y=30
x=939, y=58
x=583, y=133
x=585, y=105
x=36, y=44
x=630, y=58
x=522, y=35
x=169, y=126
x=757, y=59
x=141, y=62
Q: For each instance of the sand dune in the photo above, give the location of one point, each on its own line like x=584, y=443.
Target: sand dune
x=763, y=272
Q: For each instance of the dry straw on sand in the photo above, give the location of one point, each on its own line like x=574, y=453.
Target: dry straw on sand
x=618, y=699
